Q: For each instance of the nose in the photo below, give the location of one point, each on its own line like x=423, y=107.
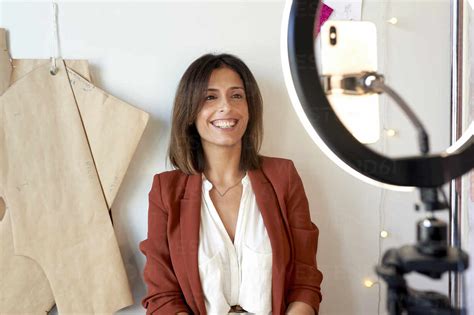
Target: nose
x=224, y=105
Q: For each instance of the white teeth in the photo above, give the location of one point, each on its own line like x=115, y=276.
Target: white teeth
x=224, y=123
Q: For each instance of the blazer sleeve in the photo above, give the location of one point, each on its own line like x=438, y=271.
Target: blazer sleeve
x=305, y=283
x=164, y=295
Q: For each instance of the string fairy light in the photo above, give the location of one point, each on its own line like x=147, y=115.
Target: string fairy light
x=391, y=132
x=393, y=20
x=369, y=283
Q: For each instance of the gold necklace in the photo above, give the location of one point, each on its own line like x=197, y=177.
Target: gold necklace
x=222, y=195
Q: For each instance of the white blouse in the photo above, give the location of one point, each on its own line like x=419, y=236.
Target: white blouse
x=240, y=272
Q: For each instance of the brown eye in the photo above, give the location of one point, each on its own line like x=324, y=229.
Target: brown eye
x=238, y=96
x=210, y=97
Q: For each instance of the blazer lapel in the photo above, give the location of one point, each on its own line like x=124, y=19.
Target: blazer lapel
x=268, y=204
x=190, y=220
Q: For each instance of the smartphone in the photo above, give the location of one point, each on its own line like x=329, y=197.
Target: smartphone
x=349, y=47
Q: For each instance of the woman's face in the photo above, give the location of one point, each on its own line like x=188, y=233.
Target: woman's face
x=223, y=118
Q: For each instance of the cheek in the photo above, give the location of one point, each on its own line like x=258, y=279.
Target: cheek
x=201, y=118
x=242, y=108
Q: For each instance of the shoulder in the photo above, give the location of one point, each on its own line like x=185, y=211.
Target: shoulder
x=173, y=178
x=277, y=170
x=170, y=176
x=274, y=162
x=271, y=164
x=169, y=185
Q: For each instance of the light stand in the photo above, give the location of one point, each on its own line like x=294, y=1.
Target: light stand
x=431, y=256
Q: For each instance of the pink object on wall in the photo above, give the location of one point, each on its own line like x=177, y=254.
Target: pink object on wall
x=326, y=11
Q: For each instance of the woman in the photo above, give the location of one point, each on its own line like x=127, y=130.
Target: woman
x=229, y=230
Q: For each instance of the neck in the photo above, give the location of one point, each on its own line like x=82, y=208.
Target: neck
x=222, y=164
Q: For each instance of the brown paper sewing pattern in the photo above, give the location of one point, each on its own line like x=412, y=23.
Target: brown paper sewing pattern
x=88, y=96
x=24, y=287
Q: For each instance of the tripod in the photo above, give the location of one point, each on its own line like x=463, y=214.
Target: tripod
x=431, y=256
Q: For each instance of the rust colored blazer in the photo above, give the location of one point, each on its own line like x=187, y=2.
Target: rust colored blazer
x=171, y=248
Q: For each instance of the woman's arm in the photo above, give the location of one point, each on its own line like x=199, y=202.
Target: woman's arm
x=164, y=295
x=305, y=283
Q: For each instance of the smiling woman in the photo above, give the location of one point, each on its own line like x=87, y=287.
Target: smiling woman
x=229, y=230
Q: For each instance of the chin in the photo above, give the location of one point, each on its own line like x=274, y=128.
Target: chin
x=224, y=143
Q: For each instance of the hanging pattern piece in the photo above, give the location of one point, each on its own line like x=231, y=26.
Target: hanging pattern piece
x=5, y=66
x=58, y=181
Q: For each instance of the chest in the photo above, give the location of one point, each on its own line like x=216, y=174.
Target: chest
x=227, y=208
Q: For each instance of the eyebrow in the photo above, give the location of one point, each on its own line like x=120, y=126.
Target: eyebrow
x=232, y=88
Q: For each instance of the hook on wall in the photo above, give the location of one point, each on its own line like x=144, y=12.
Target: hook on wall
x=55, y=41
x=53, y=69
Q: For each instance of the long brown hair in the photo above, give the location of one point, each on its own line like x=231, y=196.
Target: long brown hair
x=185, y=149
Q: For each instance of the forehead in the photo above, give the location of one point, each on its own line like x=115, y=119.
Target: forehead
x=224, y=77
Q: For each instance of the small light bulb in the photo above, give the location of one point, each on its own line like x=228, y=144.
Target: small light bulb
x=391, y=132
x=368, y=283
x=383, y=234
x=393, y=21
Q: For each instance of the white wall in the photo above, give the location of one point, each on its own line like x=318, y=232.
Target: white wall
x=138, y=52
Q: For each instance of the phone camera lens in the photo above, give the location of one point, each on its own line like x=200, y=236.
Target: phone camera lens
x=332, y=35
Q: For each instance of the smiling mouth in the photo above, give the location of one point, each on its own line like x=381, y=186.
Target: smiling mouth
x=225, y=123
x=226, y=128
